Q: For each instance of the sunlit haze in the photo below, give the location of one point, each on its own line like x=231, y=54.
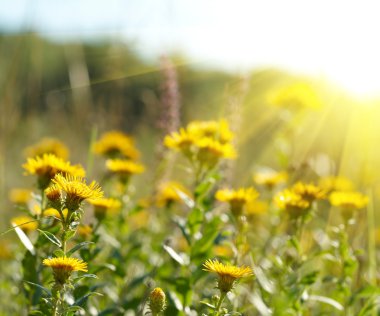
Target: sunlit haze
x=331, y=40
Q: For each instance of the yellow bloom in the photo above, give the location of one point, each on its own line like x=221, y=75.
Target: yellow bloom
x=116, y=144
x=223, y=251
x=168, y=193
x=291, y=202
x=309, y=192
x=52, y=212
x=217, y=130
x=124, y=167
x=237, y=198
x=157, y=301
x=256, y=207
x=103, y=206
x=26, y=223
x=270, y=178
x=348, y=200
x=297, y=95
x=63, y=267
x=47, y=166
x=20, y=196
x=228, y=274
x=77, y=190
x=181, y=140
x=210, y=150
x=332, y=183
x=84, y=230
x=139, y=219
x=5, y=251
x=48, y=146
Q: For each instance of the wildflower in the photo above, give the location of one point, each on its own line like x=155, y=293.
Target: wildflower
x=20, y=196
x=256, y=208
x=5, y=251
x=210, y=151
x=63, y=267
x=309, y=192
x=139, y=219
x=223, y=251
x=47, y=166
x=157, y=301
x=103, y=206
x=26, y=223
x=228, y=274
x=291, y=202
x=339, y=183
x=297, y=95
x=348, y=200
x=52, y=212
x=77, y=190
x=237, y=198
x=170, y=192
x=218, y=130
x=84, y=230
x=115, y=144
x=48, y=146
x=124, y=167
x=270, y=178
x=182, y=141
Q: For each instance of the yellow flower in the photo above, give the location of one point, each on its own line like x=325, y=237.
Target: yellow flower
x=291, y=202
x=53, y=193
x=297, y=95
x=63, y=267
x=84, y=230
x=168, y=193
x=332, y=183
x=256, y=208
x=181, y=140
x=77, y=190
x=5, y=251
x=237, y=198
x=223, y=251
x=309, y=192
x=139, y=219
x=228, y=274
x=103, y=206
x=124, y=167
x=26, y=223
x=52, y=212
x=210, y=151
x=20, y=196
x=348, y=200
x=218, y=130
x=47, y=166
x=157, y=301
x=270, y=178
x=48, y=146
x=116, y=144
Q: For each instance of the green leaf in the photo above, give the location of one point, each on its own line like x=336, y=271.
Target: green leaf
x=85, y=276
x=78, y=246
x=58, y=253
x=172, y=253
x=82, y=299
x=47, y=291
x=24, y=239
x=51, y=237
x=207, y=304
x=326, y=300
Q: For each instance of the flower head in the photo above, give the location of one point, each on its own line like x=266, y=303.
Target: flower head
x=210, y=151
x=48, y=145
x=77, y=190
x=26, y=223
x=218, y=130
x=228, y=274
x=115, y=144
x=297, y=95
x=237, y=198
x=20, y=196
x=309, y=192
x=47, y=166
x=182, y=141
x=157, y=301
x=270, y=178
x=63, y=267
x=105, y=205
x=291, y=202
x=170, y=192
x=348, y=200
x=124, y=167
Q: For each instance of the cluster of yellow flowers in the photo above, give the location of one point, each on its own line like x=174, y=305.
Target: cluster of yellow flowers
x=121, y=154
x=206, y=142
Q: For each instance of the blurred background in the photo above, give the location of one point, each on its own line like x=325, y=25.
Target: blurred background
x=75, y=69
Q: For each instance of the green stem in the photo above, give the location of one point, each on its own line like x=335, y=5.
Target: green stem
x=221, y=299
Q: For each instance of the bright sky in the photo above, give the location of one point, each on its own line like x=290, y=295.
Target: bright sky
x=331, y=39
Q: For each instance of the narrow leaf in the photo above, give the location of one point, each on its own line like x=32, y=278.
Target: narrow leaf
x=51, y=237
x=47, y=291
x=326, y=300
x=78, y=246
x=174, y=255
x=24, y=239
